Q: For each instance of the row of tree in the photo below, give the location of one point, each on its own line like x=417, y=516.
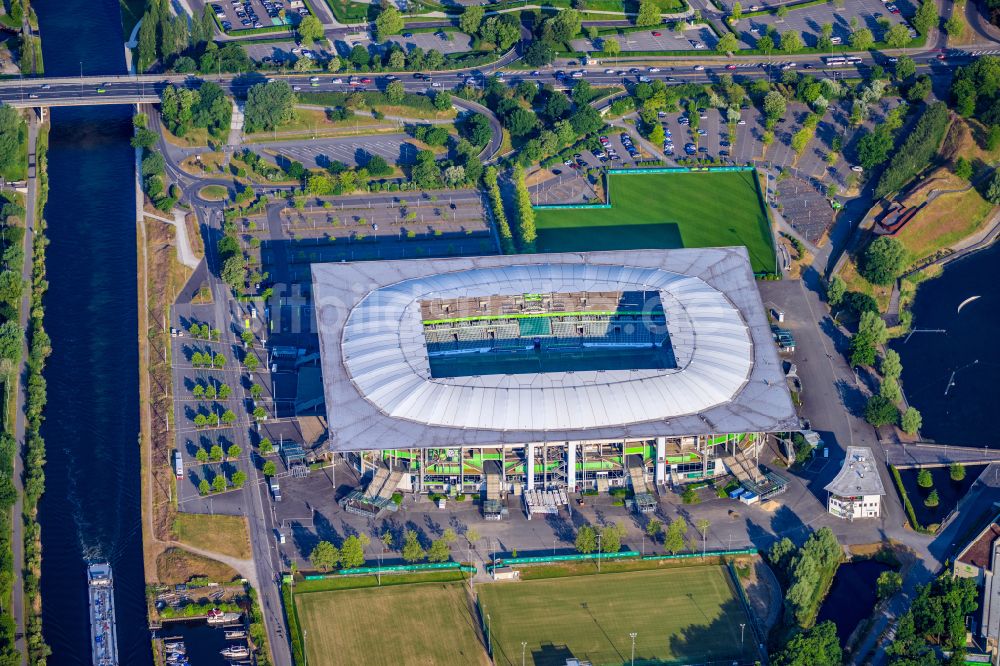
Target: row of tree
x=496, y=207
x=220, y=484
x=218, y=454
x=806, y=573
x=526, y=232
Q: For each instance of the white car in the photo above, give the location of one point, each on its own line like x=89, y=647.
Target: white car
x=653, y=70
x=699, y=68
x=609, y=71
x=742, y=122
x=435, y=85
x=857, y=168
x=337, y=80
x=313, y=79
x=296, y=88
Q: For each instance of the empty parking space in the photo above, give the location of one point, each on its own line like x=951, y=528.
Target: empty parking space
x=321, y=153
x=657, y=39
x=804, y=205
x=809, y=22
x=443, y=42
x=283, y=52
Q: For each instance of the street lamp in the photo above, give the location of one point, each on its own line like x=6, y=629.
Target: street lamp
x=632, y=634
x=524, y=645
x=742, y=627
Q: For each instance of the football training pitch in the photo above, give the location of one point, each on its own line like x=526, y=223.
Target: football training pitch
x=689, y=615
x=426, y=623
x=666, y=210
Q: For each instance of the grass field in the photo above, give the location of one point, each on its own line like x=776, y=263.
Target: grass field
x=429, y=623
x=666, y=210
x=223, y=534
x=688, y=615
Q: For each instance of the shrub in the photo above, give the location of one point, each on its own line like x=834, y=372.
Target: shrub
x=924, y=478
x=932, y=500
x=956, y=471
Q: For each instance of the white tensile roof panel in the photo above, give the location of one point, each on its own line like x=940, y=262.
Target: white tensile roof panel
x=378, y=383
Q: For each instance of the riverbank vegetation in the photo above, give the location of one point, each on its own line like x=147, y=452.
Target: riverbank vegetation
x=39, y=348
x=936, y=620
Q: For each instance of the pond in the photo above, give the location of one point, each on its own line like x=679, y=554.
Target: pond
x=949, y=492
x=852, y=596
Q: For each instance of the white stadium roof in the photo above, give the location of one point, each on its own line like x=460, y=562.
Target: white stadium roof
x=380, y=392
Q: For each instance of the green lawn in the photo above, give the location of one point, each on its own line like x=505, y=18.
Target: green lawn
x=688, y=615
x=666, y=210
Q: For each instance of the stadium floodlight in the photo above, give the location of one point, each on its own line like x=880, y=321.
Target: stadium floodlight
x=632, y=634
x=524, y=645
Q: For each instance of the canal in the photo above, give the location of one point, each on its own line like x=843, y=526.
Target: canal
x=91, y=506
x=949, y=376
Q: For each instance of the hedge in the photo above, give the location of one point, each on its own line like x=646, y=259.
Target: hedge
x=917, y=150
x=910, y=513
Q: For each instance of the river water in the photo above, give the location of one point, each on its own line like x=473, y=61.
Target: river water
x=966, y=415
x=91, y=507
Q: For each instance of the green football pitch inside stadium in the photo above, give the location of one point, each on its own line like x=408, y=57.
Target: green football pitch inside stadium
x=689, y=615
x=666, y=210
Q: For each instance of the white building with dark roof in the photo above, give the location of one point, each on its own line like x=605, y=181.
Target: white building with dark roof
x=550, y=370
x=857, y=490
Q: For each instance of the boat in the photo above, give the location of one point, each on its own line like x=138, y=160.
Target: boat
x=234, y=651
x=232, y=634
x=103, y=628
x=174, y=646
x=216, y=616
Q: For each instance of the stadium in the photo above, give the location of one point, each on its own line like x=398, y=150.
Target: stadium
x=527, y=373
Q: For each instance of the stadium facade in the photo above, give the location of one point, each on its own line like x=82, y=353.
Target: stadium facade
x=505, y=374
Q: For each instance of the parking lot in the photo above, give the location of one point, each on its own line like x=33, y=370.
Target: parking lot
x=321, y=153
x=245, y=14
x=657, y=39
x=804, y=205
x=570, y=185
x=441, y=41
x=809, y=22
x=285, y=52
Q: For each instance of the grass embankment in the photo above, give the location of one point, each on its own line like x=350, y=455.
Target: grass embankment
x=176, y=565
x=227, y=535
x=666, y=210
x=435, y=624
x=412, y=105
x=688, y=615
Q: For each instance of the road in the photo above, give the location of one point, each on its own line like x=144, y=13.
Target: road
x=17, y=537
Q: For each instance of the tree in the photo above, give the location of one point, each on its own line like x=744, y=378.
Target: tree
x=204, y=487
x=586, y=120
x=926, y=17
x=499, y=32
x=924, y=478
x=649, y=13
x=905, y=68
x=352, y=553
x=781, y=12
x=389, y=22
x=897, y=36
x=818, y=646
x=269, y=468
x=890, y=390
x=954, y=26
x=228, y=416
x=774, y=105
x=992, y=193
x=268, y=106
x=539, y=54
x=586, y=540
x=737, y=13
x=201, y=456
x=891, y=366
x=611, y=47
x=932, y=500
x=266, y=446
x=780, y=555
x=963, y=168
x=259, y=413
x=395, y=92
x=727, y=43
x=198, y=391
x=219, y=483
x=791, y=41
x=216, y=453
x=674, y=539
x=654, y=528
x=611, y=538
x=146, y=44
x=324, y=556
x=310, y=29
x=251, y=362
x=234, y=451
x=566, y=25
x=471, y=19
x=359, y=56
x=239, y=478
x=439, y=551
x=956, y=471
x=412, y=550
x=765, y=44
x=689, y=496
x=880, y=412
x=884, y=260
x=835, y=291
x=225, y=392
x=912, y=420
x=862, y=40
x=919, y=89
x=888, y=584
